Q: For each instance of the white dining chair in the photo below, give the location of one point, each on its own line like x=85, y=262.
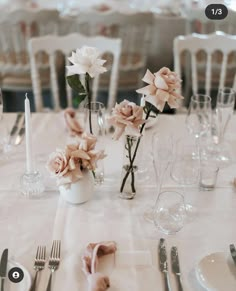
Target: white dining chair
x=208, y=43
x=66, y=44
x=135, y=32
x=16, y=28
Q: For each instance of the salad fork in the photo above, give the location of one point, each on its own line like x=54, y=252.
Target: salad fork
x=54, y=260
x=39, y=264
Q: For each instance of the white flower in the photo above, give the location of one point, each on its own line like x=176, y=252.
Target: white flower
x=86, y=60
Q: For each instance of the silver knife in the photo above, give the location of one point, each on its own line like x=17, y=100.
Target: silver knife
x=163, y=263
x=233, y=252
x=176, y=267
x=3, y=268
x=15, y=126
x=20, y=134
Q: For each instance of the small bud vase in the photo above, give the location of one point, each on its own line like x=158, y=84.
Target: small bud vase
x=130, y=167
x=80, y=191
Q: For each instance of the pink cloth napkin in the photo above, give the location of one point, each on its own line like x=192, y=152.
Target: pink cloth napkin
x=96, y=280
x=72, y=123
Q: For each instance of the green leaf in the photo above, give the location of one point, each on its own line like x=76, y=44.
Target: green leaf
x=76, y=85
x=149, y=106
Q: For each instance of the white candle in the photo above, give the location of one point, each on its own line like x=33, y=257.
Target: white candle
x=28, y=137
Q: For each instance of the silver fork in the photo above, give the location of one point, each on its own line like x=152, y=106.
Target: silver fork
x=39, y=264
x=54, y=260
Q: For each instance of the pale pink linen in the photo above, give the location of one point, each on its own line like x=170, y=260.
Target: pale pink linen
x=96, y=280
x=72, y=123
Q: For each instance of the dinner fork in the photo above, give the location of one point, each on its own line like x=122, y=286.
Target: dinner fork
x=54, y=260
x=39, y=264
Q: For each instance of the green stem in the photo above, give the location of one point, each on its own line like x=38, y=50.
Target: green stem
x=87, y=78
x=135, y=153
x=130, y=144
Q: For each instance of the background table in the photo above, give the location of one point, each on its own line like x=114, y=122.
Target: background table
x=24, y=224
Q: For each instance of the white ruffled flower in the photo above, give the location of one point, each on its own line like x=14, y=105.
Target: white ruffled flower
x=86, y=60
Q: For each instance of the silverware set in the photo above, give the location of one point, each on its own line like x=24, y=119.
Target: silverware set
x=40, y=261
x=163, y=264
x=19, y=129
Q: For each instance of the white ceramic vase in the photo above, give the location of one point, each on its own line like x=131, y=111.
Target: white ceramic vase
x=80, y=191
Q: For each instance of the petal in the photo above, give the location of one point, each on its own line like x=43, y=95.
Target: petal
x=147, y=90
x=160, y=83
x=148, y=77
x=158, y=103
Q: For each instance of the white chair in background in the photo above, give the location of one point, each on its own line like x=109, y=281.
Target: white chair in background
x=135, y=32
x=16, y=28
x=218, y=41
x=66, y=44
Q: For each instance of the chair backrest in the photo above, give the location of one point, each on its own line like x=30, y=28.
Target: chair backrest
x=197, y=22
x=16, y=28
x=133, y=29
x=194, y=43
x=66, y=44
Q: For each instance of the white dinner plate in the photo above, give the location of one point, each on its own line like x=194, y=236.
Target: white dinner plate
x=24, y=285
x=217, y=272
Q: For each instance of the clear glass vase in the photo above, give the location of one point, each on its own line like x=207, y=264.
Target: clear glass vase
x=95, y=124
x=130, y=166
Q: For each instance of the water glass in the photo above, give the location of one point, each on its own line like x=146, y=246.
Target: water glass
x=170, y=212
x=198, y=119
x=208, y=175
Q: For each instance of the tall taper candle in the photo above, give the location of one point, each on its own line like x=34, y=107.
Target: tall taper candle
x=28, y=137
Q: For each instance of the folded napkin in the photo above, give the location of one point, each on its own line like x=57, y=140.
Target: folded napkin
x=72, y=123
x=96, y=280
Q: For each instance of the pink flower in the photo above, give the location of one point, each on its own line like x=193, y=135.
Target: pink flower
x=161, y=88
x=64, y=167
x=71, y=122
x=126, y=116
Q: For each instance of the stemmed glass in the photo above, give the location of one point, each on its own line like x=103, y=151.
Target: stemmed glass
x=162, y=146
x=224, y=110
x=170, y=212
x=198, y=119
x=186, y=165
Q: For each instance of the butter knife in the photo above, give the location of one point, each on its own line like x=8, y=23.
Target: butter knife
x=3, y=268
x=233, y=252
x=176, y=267
x=15, y=126
x=20, y=134
x=163, y=264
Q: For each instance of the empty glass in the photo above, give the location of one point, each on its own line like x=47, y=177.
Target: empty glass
x=162, y=149
x=208, y=175
x=224, y=109
x=198, y=119
x=169, y=213
x=185, y=166
x=95, y=124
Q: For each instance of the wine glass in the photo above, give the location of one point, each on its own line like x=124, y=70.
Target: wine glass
x=170, y=212
x=162, y=146
x=198, y=119
x=224, y=110
x=5, y=146
x=185, y=168
x=95, y=124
